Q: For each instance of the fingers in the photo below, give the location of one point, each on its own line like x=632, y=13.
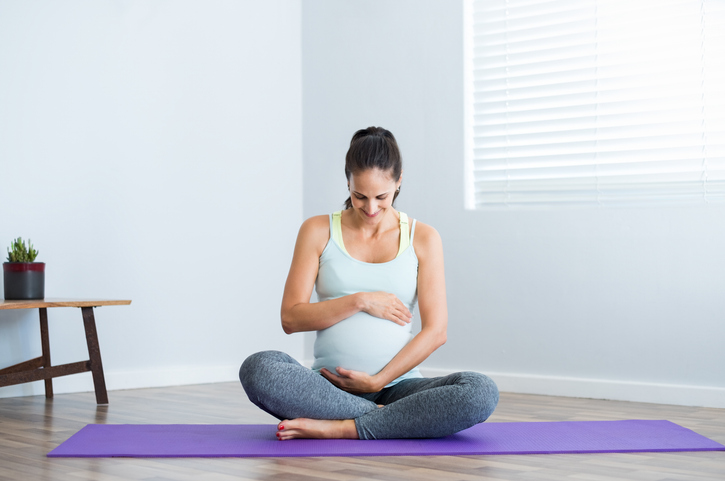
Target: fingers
x=337, y=380
x=330, y=376
x=401, y=320
x=387, y=306
x=340, y=372
x=399, y=306
x=398, y=321
x=347, y=379
x=343, y=372
x=401, y=315
x=407, y=316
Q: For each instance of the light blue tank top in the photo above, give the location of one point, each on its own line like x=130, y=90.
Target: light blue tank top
x=363, y=342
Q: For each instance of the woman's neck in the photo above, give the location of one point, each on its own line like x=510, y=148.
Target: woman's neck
x=389, y=220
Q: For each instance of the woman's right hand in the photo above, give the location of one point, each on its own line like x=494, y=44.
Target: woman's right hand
x=386, y=306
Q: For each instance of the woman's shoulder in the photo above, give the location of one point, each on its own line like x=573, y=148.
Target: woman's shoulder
x=315, y=231
x=425, y=232
x=426, y=238
x=317, y=222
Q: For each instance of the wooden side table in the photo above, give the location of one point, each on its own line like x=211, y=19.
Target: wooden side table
x=40, y=367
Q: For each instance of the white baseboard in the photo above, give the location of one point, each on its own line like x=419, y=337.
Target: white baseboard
x=683, y=395
x=129, y=380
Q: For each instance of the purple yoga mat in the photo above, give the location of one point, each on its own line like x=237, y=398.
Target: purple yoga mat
x=259, y=440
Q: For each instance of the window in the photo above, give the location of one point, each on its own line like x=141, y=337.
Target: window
x=594, y=102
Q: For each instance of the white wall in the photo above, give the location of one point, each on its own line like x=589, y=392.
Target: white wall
x=146, y=133
x=152, y=151
x=620, y=304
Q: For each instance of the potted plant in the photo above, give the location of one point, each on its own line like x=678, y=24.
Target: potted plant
x=23, y=277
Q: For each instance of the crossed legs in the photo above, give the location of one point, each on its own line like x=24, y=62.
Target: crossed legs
x=413, y=408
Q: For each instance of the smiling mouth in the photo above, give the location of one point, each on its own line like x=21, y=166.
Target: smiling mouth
x=372, y=215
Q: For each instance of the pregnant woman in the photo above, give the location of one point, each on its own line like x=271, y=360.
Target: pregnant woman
x=369, y=264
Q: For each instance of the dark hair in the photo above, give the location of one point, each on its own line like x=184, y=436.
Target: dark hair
x=373, y=148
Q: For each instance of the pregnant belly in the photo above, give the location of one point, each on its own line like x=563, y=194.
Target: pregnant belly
x=361, y=343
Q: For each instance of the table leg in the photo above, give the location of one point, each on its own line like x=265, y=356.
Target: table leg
x=45, y=342
x=94, y=351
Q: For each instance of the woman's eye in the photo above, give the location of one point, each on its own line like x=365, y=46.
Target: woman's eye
x=380, y=197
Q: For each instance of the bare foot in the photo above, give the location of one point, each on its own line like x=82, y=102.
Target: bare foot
x=316, y=429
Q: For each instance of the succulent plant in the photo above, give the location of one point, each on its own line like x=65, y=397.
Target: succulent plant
x=20, y=253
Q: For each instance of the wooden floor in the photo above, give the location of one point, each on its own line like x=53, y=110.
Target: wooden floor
x=32, y=426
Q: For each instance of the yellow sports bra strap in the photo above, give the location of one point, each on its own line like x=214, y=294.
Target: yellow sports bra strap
x=337, y=230
x=404, y=233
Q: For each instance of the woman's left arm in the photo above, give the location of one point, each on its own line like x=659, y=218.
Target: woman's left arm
x=433, y=316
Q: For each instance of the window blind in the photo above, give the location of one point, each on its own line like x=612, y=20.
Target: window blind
x=595, y=102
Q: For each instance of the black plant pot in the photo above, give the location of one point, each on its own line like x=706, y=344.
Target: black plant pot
x=24, y=280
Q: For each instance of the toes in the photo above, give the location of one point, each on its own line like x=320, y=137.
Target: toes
x=291, y=434
x=288, y=429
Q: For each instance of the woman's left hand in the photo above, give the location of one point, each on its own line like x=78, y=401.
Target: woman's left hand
x=351, y=381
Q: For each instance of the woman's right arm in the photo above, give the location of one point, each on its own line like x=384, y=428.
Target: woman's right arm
x=299, y=314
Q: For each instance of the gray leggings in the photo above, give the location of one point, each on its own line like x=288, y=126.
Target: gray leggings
x=413, y=408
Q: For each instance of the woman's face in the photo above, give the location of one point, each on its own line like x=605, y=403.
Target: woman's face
x=372, y=192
